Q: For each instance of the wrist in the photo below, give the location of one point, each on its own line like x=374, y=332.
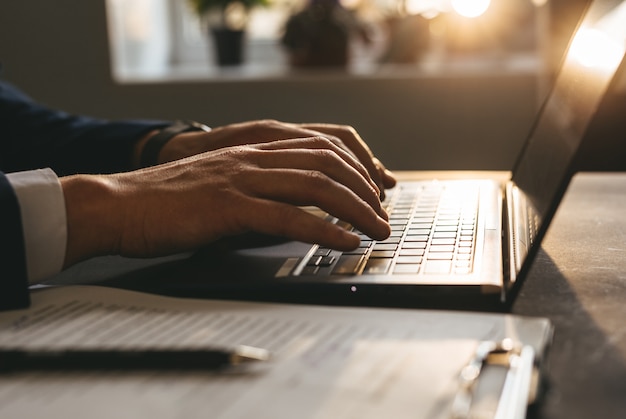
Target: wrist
x=92, y=219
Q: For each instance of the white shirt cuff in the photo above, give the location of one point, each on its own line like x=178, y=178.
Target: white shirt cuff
x=44, y=222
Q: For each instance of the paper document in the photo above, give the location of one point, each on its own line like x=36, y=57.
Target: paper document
x=327, y=362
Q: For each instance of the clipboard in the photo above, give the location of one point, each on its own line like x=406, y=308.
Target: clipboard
x=517, y=384
x=327, y=362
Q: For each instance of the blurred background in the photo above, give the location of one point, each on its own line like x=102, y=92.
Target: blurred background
x=430, y=84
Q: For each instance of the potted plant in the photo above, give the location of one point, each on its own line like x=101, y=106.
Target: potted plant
x=319, y=35
x=226, y=21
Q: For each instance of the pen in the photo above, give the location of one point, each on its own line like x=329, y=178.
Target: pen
x=12, y=360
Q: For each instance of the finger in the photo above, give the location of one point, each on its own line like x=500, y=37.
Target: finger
x=322, y=143
x=355, y=143
x=313, y=188
x=350, y=140
x=388, y=178
x=285, y=220
x=322, y=162
x=257, y=132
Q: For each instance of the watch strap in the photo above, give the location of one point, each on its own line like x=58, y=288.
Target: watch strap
x=152, y=148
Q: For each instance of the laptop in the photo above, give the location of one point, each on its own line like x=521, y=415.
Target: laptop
x=455, y=244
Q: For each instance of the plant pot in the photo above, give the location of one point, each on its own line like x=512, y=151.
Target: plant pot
x=229, y=46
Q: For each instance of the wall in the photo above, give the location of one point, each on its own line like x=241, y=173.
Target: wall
x=58, y=52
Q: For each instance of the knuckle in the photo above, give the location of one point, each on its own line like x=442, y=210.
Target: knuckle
x=345, y=131
x=345, y=128
x=349, y=129
x=326, y=158
x=321, y=140
x=325, y=154
x=316, y=179
x=240, y=152
x=329, y=142
x=268, y=123
x=262, y=127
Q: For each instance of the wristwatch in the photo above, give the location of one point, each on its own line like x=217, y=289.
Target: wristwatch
x=152, y=148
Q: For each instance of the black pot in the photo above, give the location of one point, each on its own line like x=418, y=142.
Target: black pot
x=228, y=46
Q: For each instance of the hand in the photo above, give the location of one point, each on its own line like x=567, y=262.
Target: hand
x=346, y=137
x=187, y=203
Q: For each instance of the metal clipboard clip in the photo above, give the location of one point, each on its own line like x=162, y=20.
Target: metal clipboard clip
x=520, y=384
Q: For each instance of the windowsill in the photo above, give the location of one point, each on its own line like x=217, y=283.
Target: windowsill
x=522, y=63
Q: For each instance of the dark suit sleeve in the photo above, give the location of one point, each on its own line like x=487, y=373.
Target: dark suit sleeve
x=14, y=282
x=33, y=136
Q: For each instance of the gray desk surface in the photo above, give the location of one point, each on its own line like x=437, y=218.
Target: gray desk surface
x=578, y=281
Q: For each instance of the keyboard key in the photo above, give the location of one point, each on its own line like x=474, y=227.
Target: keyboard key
x=348, y=264
x=420, y=226
x=462, y=264
x=425, y=220
x=443, y=241
x=438, y=267
x=411, y=252
x=357, y=251
x=414, y=245
x=441, y=248
x=314, y=261
x=327, y=261
x=425, y=213
x=452, y=227
x=414, y=260
x=377, y=266
x=444, y=234
x=418, y=232
x=447, y=223
x=390, y=240
x=310, y=270
x=382, y=254
x=412, y=239
x=447, y=215
x=406, y=269
x=322, y=251
x=440, y=256
x=385, y=246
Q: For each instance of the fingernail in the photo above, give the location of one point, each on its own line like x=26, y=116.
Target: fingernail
x=387, y=232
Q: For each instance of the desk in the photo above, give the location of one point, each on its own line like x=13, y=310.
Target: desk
x=578, y=281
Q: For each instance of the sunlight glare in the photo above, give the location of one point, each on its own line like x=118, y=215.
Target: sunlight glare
x=595, y=48
x=470, y=8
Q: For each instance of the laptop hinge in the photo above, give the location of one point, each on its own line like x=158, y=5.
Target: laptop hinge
x=518, y=229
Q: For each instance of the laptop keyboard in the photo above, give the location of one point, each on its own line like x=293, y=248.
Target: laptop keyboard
x=433, y=232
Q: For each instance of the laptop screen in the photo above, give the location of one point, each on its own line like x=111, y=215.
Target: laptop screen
x=593, y=58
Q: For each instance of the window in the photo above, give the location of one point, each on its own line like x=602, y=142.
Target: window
x=163, y=40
